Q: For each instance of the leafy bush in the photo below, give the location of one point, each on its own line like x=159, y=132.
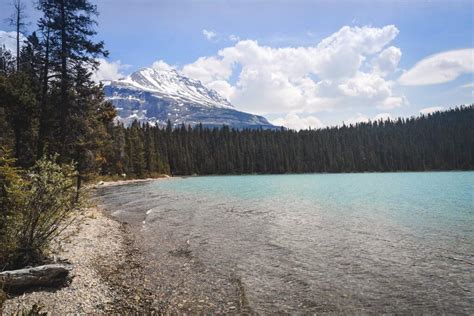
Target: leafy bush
x=10, y=197
x=36, y=206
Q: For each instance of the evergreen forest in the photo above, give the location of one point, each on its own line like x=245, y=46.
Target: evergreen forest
x=50, y=105
x=439, y=141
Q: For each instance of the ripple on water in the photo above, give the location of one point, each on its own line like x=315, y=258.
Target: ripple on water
x=355, y=243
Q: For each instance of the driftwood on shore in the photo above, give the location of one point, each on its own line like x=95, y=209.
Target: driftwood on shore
x=46, y=275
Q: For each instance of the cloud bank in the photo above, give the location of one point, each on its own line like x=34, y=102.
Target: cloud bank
x=439, y=68
x=109, y=70
x=350, y=68
x=294, y=121
x=430, y=110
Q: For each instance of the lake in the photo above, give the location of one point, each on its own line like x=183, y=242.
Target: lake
x=337, y=243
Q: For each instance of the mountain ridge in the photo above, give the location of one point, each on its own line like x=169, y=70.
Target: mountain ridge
x=156, y=96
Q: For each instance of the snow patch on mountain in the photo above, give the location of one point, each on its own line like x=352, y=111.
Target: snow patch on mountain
x=172, y=84
x=158, y=96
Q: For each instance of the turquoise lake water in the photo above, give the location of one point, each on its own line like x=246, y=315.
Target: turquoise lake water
x=350, y=243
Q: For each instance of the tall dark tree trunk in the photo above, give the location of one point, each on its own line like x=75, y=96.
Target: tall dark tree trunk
x=17, y=20
x=18, y=25
x=64, y=77
x=44, y=94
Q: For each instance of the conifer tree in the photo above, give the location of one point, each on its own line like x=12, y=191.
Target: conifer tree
x=19, y=106
x=71, y=55
x=18, y=21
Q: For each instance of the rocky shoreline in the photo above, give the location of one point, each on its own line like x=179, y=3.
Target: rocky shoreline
x=181, y=280
x=106, y=277
x=113, y=274
x=129, y=181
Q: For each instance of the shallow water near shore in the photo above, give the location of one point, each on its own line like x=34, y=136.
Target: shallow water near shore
x=373, y=242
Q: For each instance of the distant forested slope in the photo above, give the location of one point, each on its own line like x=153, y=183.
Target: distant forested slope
x=439, y=141
x=49, y=105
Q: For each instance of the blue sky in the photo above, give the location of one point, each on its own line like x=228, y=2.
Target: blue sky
x=138, y=33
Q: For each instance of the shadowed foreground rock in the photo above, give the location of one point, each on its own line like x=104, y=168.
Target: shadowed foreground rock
x=46, y=275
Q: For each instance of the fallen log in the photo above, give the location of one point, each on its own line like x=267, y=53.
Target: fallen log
x=46, y=275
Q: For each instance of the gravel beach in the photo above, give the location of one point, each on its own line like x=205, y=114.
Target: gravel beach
x=106, y=275
x=114, y=273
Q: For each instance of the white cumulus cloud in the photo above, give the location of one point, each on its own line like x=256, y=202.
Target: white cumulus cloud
x=368, y=85
x=387, y=61
x=342, y=54
x=210, y=35
x=234, y=38
x=430, y=110
x=109, y=70
x=294, y=121
x=328, y=75
x=225, y=89
x=208, y=69
x=439, y=68
x=161, y=65
x=392, y=102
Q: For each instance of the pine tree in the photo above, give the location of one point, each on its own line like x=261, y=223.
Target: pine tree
x=18, y=21
x=136, y=151
x=19, y=105
x=71, y=56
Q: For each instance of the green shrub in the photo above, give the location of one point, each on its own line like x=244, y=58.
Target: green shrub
x=11, y=195
x=38, y=206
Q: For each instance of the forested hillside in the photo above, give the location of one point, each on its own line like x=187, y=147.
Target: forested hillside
x=439, y=141
x=48, y=102
x=49, y=105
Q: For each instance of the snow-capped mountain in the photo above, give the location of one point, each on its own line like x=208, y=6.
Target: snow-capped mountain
x=156, y=96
